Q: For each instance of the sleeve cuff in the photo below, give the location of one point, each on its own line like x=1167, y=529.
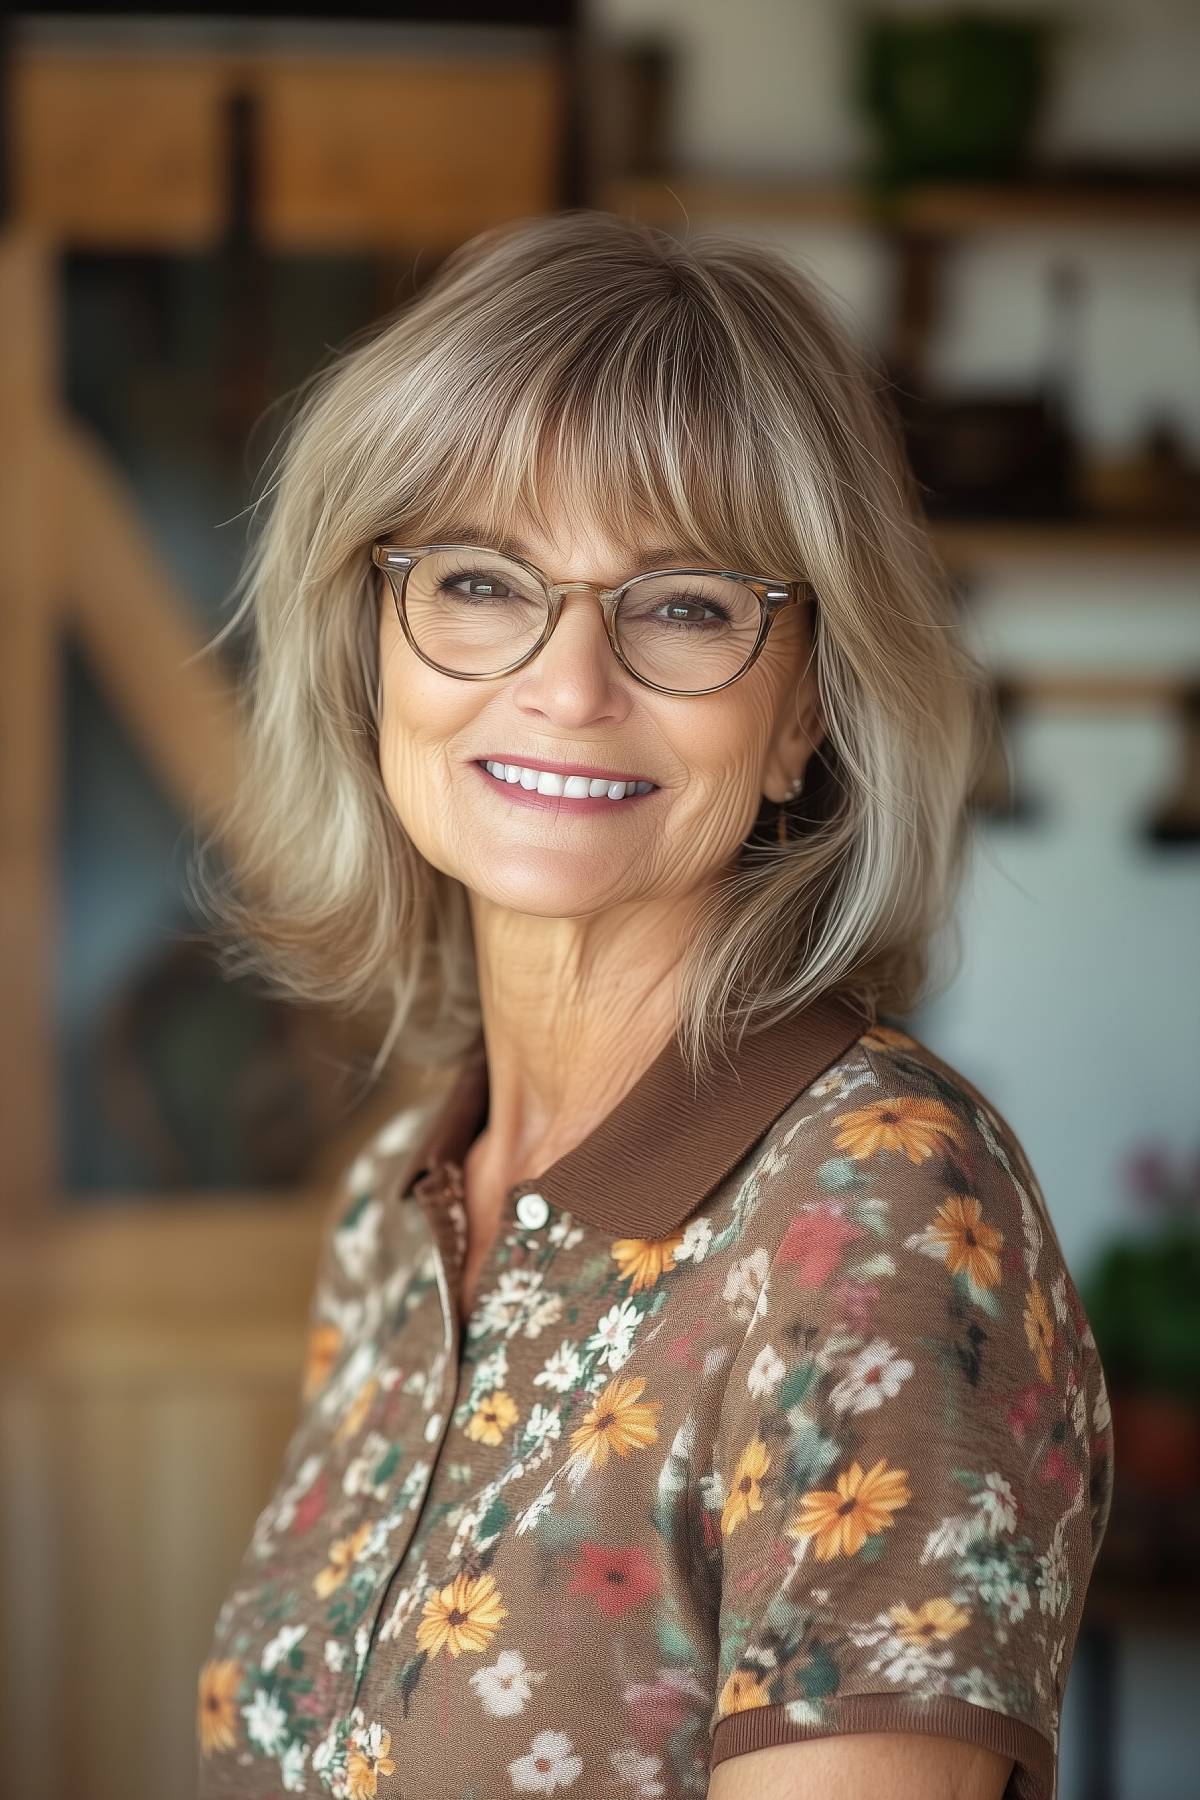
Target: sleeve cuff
x=1034, y=1758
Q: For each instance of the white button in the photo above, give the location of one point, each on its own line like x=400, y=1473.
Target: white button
x=532, y=1210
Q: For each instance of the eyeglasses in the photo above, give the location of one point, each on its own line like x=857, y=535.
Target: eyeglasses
x=474, y=613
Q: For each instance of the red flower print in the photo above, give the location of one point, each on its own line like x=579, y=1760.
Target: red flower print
x=1023, y=1412
x=857, y=1301
x=311, y=1506
x=614, y=1579
x=658, y=1708
x=815, y=1242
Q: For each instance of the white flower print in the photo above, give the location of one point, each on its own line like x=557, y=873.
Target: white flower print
x=562, y=1234
x=551, y=1763
x=357, y=1479
x=491, y=1371
x=1058, y=1293
x=543, y=1422
x=979, y=1689
x=266, y=1722
x=1101, y=1412
x=544, y=1311
x=1032, y=1230
x=876, y=1374
x=1053, y=1578
x=1079, y=1413
x=613, y=1336
x=324, y=1752
x=696, y=1238
x=713, y=1360
x=356, y=1244
x=765, y=1372
x=951, y=1538
x=897, y=1658
x=407, y=1600
x=501, y=1309
x=997, y=1504
x=505, y=1685
x=335, y=1655
x=640, y=1772
x=291, y=1767
x=284, y=1641
x=746, y=1286
x=540, y=1504
x=561, y=1370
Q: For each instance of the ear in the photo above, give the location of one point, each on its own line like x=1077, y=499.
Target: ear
x=798, y=735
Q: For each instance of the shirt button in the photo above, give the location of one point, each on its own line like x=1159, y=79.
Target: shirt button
x=533, y=1210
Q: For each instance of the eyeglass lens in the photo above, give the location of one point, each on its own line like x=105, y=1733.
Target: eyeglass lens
x=476, y=613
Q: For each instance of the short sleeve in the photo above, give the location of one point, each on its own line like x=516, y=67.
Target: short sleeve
x=913, y=1461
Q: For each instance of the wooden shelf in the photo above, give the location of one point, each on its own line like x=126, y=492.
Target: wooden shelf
x=935, y=207
x=977, y=543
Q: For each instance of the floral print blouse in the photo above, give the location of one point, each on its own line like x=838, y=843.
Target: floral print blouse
x=777, y=1415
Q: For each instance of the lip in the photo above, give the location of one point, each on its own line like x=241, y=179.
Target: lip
x=561, y=768
x=513, y=794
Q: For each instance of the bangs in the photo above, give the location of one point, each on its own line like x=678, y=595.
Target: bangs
x=638, y=428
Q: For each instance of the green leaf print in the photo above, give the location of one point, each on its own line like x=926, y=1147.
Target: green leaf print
x=408, y=1675
x=872, y=1548
x=817, y=1675
x=796, y=1384
x=674, y=1643
x=495, y=1518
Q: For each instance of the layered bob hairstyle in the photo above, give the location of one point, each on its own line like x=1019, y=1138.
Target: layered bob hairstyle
x=703, y=389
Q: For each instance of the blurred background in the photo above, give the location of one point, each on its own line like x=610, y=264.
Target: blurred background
x=196, y=211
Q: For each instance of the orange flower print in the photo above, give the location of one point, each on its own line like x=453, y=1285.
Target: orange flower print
x=216, y=1708
x=745, y=1494
x=886, y=1037
x=743, y=1689
x=910, y=1123
x=618, y=1419
x=324, y=1342
x=489, y=1422
x=1039, y=1329
x=937, y=1619
x=465, y=1615
x=359, y=1407
x=369, y=1758
x=342, y=1554
x=842, y=1521
x=645, y=1259
x=965, y=1240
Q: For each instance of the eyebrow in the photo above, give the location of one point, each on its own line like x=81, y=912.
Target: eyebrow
x=659, y=556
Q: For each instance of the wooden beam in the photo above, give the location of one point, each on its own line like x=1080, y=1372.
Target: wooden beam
x=30, y=726
x=140, y=635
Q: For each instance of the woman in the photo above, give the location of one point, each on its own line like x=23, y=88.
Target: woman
x=698, y=1401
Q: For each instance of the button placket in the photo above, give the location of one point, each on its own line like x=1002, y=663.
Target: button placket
x=446, y=1233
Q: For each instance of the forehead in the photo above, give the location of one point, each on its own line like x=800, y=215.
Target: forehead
x=571, y=544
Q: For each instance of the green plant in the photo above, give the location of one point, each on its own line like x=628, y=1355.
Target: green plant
x=951, y=95
x=1143, y=1297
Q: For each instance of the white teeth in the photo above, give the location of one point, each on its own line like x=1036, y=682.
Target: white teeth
x=570, y=787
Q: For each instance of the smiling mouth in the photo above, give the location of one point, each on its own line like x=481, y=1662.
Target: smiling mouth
x=552, y=784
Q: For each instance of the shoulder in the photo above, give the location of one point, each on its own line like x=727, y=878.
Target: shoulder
x=906, y=1228
x=892, y=1130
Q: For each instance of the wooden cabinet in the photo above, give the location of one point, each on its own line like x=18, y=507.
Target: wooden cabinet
x=119, y=151
x=424, y=150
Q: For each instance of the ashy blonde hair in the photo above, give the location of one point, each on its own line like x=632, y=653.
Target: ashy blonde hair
x=704, y=387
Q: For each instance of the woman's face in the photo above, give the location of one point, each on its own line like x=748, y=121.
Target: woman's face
x=710, y=757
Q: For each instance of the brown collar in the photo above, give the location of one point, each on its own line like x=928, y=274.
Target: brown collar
x=654, y=1159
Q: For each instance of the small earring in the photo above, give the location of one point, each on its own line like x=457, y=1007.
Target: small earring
x=793, y=793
